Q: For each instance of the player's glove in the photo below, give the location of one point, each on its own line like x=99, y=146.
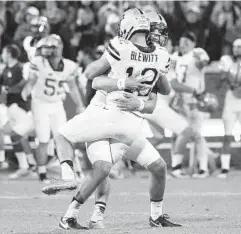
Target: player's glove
x=199, y=95
x=209, y=103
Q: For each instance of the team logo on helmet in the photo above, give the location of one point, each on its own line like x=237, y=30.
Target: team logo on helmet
x=133, y=21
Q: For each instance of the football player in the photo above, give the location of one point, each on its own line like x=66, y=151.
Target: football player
x=131, y=51
x=189, y=83
x=50, y=77
x=20, y=122
x=230, y=72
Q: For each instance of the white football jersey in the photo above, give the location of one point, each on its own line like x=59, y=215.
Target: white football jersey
x=189, y=74
x=233, y=69
x=130, y=60
x=50, y=84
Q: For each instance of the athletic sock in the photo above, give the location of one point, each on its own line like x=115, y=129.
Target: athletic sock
x=67, y=170
x=177, y=160
x=31, y=159
x=42, y=169
x=156, y=209
x=73, y=209
x=99, y=211
x=22, y=160
x=225, y=161
x=2, y=156
x=101, y=206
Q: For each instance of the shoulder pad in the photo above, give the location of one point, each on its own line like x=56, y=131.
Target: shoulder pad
x=36, y=62
x=114, y=48
x=71, y=65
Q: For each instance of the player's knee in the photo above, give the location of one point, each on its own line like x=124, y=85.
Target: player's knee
x=17, y=146
x=101, y=169
x=158, y=168
x=60, y=140
x=188, y=132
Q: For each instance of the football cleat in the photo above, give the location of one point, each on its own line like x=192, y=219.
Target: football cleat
x=70, y=223
x=58, y=186
x=4, y=165
x=201, y=175
x=43, y=178
x=223, y=174
x=96, y=224
x=97, y=219
x=163, y=221
x=178, y=173
x=19, y=174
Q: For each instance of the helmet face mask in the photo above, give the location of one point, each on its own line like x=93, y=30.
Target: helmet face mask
x=47, y=51
x=159, y=30
x=51, y=46
x=159, y=34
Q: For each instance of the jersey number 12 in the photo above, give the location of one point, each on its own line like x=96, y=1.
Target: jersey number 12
x=149, y=80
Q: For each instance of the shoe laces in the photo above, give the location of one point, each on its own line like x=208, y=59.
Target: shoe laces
x=165, y=216
x=72, y=220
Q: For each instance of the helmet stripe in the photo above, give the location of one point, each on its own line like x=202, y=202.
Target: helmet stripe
x=129, y=33
x=140, y=11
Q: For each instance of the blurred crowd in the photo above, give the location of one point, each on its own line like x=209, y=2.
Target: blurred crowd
x=86, y=26
x=83, y=25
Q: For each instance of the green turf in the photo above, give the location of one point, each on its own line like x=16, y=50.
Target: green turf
x=202, y=206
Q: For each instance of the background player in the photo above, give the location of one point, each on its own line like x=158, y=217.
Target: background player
x=230, y=72
x=190, y=85
x=49, y=74
x=20, y=122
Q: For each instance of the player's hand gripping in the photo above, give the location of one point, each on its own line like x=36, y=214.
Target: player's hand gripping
x=132, y=83
x=128, y=102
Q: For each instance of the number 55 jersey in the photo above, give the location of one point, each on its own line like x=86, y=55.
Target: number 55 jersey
x=47, y=95
x=136, y=62
x=51, y=84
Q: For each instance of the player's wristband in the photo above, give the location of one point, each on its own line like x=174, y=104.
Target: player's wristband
x=121, y=84
x=142, y=105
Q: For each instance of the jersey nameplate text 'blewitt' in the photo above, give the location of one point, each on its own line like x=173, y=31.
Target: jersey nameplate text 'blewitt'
x=143, y=57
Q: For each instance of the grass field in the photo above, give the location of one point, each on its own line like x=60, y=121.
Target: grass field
x=202, y=206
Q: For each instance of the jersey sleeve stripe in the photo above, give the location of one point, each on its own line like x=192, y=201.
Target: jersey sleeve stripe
x=33, y=67
x=168, y=63
x=114, y=56
x=114, y=49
